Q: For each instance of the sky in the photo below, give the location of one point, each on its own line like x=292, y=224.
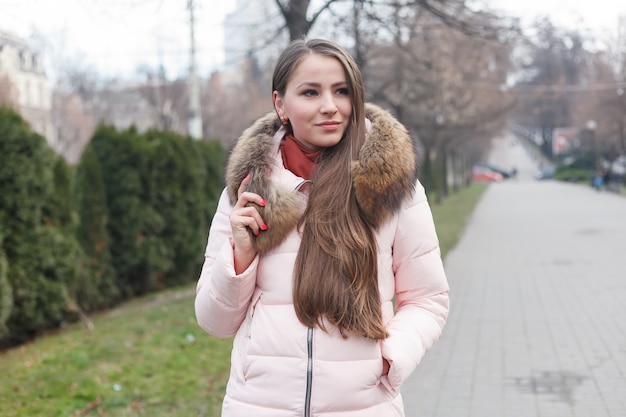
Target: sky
x=116, y=37
x=599, y=15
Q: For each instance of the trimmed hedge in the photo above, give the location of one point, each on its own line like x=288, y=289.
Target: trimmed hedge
x=130, y=219
x=6, y=293
x=160, y=190
x=41, y=253
x=101, y=290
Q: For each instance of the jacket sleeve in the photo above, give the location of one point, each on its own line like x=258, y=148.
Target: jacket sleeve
x=422, y=301
x=222, y=297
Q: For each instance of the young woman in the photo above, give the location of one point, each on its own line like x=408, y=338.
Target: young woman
x=321, y=225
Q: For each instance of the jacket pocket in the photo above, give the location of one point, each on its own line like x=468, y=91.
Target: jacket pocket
x=383, y=380
x=248, y=337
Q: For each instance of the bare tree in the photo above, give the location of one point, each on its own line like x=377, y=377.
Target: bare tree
x=444, y=85
x=553, y=65
x=230, y=107
x=295, y=13
x=611, y=111
x=168, y=101
x=73, y=126
x=436, y=64
x=299, y=19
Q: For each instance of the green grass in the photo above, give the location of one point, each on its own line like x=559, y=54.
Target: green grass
x=452, y=215
x=147, y=357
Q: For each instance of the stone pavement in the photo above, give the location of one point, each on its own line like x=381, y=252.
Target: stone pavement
x=537, y=326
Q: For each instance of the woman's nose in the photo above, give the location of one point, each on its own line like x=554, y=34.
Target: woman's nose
x=328, y=105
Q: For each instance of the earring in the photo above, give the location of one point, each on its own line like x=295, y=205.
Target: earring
x=284, y=120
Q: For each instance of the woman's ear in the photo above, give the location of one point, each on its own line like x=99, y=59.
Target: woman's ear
x=278, y=104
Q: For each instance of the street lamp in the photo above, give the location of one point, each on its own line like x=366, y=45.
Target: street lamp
x=591, y=126
x=620, y=94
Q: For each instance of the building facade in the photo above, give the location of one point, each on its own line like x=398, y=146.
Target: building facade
x=30, y=92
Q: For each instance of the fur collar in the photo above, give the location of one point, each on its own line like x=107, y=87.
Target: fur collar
x=383, y=176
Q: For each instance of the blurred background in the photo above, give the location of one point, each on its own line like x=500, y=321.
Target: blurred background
x=453, y=71
x=85, y=74
x=116, y=117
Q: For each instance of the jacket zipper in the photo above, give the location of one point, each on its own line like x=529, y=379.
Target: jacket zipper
x=309, y=372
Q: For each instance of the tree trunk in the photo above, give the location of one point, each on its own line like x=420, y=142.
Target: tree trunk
x=295, y=17
x=426, y=176
x=444, y=173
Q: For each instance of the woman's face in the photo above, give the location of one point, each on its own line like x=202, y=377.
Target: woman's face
x=317, y=102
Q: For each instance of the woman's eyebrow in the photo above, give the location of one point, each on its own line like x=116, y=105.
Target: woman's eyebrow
x=318, y=85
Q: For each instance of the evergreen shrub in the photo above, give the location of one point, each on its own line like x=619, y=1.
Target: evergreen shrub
x=41, y=253
x=160, y=190
x=131, y=218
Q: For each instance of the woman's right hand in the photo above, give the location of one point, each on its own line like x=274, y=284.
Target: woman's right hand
x=243, y=219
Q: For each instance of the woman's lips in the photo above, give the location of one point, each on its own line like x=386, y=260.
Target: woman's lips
x=329, y=125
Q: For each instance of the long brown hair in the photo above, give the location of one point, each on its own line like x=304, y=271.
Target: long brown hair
x=336, y=274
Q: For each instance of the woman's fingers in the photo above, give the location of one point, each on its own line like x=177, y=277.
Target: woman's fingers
x=244, y=197
x=246, y=216
x=243, y=185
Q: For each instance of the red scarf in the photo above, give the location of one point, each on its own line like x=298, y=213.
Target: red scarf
x=297, y=158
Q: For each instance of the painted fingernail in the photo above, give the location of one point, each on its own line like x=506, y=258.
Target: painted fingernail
x=262, y=203
x=263, y=226
x=256, y=232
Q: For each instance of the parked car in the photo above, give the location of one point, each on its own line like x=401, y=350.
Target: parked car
x=484, y=174
x=503, y=172
x=545, y=173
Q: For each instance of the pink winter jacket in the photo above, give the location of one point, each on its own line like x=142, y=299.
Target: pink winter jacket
x=279, y=367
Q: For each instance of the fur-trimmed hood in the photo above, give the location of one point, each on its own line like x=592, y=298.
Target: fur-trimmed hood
x=383, y=176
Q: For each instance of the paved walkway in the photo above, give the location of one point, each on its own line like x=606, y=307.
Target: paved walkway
x=538, y=305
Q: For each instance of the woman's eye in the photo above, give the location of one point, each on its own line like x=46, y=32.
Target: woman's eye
x=309, y=93
x=343, y=91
